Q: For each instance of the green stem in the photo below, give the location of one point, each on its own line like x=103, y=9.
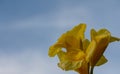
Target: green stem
x=91, y=71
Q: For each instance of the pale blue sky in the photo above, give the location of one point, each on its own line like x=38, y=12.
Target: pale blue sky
x=29, y=27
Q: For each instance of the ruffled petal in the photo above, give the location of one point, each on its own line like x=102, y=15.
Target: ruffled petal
x=70, y=60
x=53, y=50
x=70, y=65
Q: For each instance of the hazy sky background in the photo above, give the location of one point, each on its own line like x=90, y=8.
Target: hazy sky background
x=29, y=27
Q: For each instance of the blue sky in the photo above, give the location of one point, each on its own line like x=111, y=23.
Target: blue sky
x=29, y=27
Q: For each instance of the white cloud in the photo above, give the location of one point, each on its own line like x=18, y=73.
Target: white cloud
x=27, y=62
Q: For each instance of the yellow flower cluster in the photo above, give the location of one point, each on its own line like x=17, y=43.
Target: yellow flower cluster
x=80, y=54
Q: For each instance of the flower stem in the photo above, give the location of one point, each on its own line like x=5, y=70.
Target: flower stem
x=91, y=71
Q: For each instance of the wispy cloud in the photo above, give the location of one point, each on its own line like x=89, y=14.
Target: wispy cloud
x=26, y=62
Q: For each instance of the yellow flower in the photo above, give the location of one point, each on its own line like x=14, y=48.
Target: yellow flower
x=74, y=55
x=98, y=44
x=80, y=54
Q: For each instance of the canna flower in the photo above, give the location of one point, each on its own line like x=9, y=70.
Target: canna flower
x=80, y=54
x=72, y=58
x=98, y=44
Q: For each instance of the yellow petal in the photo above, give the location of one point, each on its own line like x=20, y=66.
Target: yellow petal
x=79, y=30
x=61, y=55
x=102, y=41
x=65, y=63
x=69, y=65
x=61, y=39
x=112, y=39
x=93, y=34
x=102, y=31
x=90, y=50
x=71, y=42
x=70, y=60
x=101, y=61
x=75, y=55
x=53, y=51
x=86, y=43
x=71, y=39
